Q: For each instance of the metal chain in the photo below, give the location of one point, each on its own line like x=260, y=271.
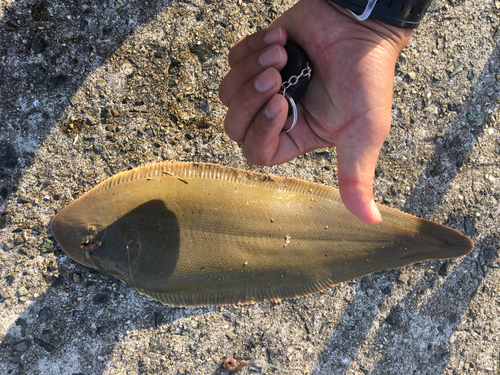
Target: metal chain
x=306, y=72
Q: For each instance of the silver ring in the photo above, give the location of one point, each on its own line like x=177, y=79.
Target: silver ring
x=294, y=111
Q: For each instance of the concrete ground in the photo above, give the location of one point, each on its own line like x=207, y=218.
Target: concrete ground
x=90, y=88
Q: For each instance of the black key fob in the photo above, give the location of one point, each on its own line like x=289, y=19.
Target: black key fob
x=295, y=77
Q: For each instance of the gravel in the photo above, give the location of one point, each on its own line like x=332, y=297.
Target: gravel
x=91, y=88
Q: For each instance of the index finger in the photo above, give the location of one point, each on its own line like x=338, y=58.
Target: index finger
x=256, y=42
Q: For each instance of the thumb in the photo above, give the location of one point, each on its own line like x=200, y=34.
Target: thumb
x=356, y=168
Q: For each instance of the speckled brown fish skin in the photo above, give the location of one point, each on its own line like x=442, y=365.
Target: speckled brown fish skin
x=191, y=234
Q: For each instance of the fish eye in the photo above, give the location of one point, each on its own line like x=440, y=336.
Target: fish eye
x=92, y=228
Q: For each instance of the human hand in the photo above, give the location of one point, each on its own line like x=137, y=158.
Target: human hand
x=347, y=105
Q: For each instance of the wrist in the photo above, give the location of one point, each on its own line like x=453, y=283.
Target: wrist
x=396, y=35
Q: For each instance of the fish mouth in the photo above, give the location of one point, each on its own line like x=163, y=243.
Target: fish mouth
x=88, y=247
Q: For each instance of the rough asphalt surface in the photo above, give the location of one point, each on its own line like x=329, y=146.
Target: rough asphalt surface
x=90, y=88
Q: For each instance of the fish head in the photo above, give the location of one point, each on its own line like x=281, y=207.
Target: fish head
x=94, y=232
x=78, y=231
x=116, y=234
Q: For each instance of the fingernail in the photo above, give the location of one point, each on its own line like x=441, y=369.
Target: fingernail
x=266, y=80
x=270, y=56
x=274, y=107
x=273, y=36
x=375, y=211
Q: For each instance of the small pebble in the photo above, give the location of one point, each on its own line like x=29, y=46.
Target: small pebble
x=77, y=278
x=404, y=276
x=44, y=314
x=47, y=246
x=22, y=346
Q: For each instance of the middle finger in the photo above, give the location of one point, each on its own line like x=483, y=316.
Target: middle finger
x=247, y=69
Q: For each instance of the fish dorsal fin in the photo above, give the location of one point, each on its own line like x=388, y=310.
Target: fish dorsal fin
x=186, y=170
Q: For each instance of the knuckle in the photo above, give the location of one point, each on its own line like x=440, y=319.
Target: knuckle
x=364, y=182
x=231, y=132
x=222, y=98
x=252, y=159
x=254, y=156
x=231, y=57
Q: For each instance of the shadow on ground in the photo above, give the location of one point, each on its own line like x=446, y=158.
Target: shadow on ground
x=48, y=51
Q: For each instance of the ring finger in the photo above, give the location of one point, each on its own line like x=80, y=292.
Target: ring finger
x=248, y=101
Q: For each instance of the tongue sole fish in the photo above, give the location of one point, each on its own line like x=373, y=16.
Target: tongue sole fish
x=191, y=234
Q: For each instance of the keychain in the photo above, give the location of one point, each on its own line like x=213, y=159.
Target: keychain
x=295, y=76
